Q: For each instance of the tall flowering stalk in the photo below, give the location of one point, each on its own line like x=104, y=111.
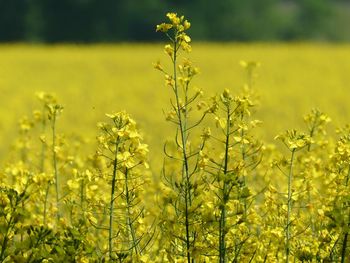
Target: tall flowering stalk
x=294, y=141
x=54, y=110
x=121, y=145
x=185, y=181
x=227, y=168
x=337, y=210
x=43, y=116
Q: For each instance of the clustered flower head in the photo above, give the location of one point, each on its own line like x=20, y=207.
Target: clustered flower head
x=317, y=121
x=294, y=140
x=179, y=23
x=46, y=98
x=25, y=124
x=178, y=36
x=341, y=154
x=249, y=65
x=54, y=110
x=120, y=137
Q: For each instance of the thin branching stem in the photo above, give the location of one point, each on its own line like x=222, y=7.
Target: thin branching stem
x=183, y=135
x=54, y=161
x=289, y=206
x=135, y=244
x=111, y=204
x=222, y=224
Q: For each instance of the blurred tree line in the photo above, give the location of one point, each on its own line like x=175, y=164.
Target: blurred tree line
x=134, y=20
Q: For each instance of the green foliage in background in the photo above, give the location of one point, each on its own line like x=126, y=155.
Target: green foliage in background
x=87, y=21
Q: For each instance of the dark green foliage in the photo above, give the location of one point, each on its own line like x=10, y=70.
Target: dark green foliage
x=12, y=20
x=86, y=21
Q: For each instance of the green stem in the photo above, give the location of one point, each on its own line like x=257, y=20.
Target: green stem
x=45, y=203
x=312, y=130
x=289, y=203
x=55, y=165
x=10, y=226
x=129, y=219
x=222, y=223
x=4, y=242
x=82, y=186
x=182, y=124
x=42, y=166
x=343, y=251
x=346, y=235
x=243, y=159
x=43, y=145
x=111, y=204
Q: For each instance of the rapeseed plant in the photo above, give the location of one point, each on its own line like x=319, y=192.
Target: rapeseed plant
x=184, y=180
x=121, y=145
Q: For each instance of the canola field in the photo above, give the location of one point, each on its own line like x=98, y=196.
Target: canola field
x=92, y=80
x=131, y=153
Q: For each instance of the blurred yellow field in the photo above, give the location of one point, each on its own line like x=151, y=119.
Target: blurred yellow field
x=92, y=80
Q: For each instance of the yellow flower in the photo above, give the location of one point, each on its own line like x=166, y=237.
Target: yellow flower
x=142, y=149
x=164, y=27
x=220, y=122
x=158, y=66
x=294, y=140
x=168, y=49
x=174, y=19
x=73, y=184
x=249, y=64
x=186, y=24
x=186, y=47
